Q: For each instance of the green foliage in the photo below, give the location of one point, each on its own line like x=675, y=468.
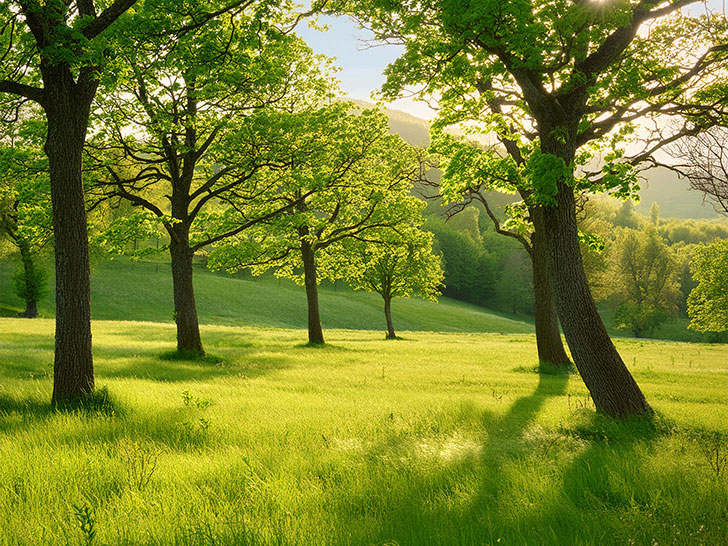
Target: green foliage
x=347, y=177
x=644, y=274
x=401, y=266
x=30, y=283
x=469, y=269
x=708, y=301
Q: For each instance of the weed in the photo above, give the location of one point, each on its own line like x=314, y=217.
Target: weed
x=86, y=520
x=141, y=462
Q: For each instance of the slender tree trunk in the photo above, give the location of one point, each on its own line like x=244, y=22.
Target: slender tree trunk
x=29, y=275
x=612, y=387
x=388, y=315
x=185, y=308
x=315, y=332
x=548, y=335
x=67, y=122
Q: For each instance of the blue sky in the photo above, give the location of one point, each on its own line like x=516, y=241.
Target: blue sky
x=362, y=68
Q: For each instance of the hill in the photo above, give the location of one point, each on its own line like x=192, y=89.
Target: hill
x=661, y=186
x=126, y=290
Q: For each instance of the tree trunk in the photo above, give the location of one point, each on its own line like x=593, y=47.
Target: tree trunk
x=29, y=275
x=67, y=122
x=548, y=335
x=612, y=387
x=185, y=308
x=315, y=332
x=388, y=315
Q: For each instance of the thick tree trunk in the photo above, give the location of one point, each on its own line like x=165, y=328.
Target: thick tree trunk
x=388, y=315
x=612, y=387
x=548, y=335
x=315, y=332
x=29, y=274
x=73, y=364
x=185, y=308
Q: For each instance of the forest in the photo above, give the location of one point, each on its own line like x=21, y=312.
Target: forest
x=242, y=304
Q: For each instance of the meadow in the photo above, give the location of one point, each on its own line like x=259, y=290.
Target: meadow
x=437, y=438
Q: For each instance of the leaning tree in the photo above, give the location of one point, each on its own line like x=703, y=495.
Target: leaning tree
x=557, y=82
x=470, y=172
x=179, y=137
x=347, y=178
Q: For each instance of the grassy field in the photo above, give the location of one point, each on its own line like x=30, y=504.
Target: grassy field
x=439, y=438
x=143, y=291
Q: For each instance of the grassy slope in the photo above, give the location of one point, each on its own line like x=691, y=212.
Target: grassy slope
x=438, y=439
x=123, y=290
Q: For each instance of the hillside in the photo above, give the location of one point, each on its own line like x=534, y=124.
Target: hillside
x=661, y=186
x=126, y=290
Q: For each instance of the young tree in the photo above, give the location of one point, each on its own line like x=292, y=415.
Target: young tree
x=402, y=265
x=55, y=54
x=708, y=301
x=183, y=141
x=348, y=179
x=555, y=81
x=644, y=277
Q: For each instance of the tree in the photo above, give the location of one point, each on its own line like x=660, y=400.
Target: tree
x=703, y=160
x=644, y=276
x=556, y=81
x=55, y=54
x=708, y=301
x=25, y=207
x=347, y=178
x=402, y=265
x=180, y=137
x=470, y=174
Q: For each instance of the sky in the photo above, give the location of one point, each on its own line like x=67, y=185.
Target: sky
x=361, y=67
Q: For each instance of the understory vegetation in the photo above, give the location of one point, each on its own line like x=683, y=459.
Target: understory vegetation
x=272, y=442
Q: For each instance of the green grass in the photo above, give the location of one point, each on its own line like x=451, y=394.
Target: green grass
x=440, y=438
x=123, y=290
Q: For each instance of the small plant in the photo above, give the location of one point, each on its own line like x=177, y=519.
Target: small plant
x=715, y=450
x=580, y=402
x=86, y=520
x=189, y=400
x=141, y=463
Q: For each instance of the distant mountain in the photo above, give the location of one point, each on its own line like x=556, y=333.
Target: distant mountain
x=662, y=186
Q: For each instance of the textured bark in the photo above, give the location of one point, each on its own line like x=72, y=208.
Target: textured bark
x=67, y=111
x=548, y=334
x=315, y=332
x=388, y=315
x=185, y=308
x=612, y=387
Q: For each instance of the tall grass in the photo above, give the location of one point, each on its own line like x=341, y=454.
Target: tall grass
x=437, y=439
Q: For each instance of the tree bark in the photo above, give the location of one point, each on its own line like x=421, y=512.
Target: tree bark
x=612, y=387
x=67, y=111
x=315, y=332
x=185, y=308
x=388, y=315
x=548, y=334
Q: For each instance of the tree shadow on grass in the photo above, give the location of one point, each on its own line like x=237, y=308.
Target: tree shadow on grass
x=525, y=485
